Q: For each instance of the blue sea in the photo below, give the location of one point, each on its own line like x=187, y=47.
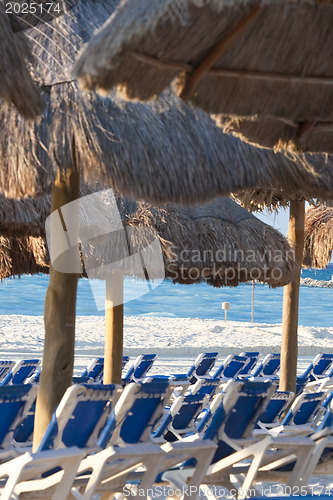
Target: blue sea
x=26, y=296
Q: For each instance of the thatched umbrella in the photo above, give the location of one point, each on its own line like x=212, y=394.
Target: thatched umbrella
x=219, y=243
x=318, y=236
x=233, y=57
x=240, y=59
x=16, y=84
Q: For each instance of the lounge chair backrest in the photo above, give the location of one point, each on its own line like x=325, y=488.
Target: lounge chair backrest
x=231, y=366
x=206, y=386
x=125, y=361
x=237, y=414
x=303, y=409
x=181, y=417
x=252, y=358
x=5, y=369
x=300, y=384
x=140, y=367
x=15, y=402
x=80, y=416
x=94, y=369
x=203, y=364
x=327, y=421
x=269, y=366
x=319, y=367
x=277, y=404
x=136, y=413
x=22, y=371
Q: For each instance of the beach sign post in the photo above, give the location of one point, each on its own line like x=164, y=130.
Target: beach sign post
x=225, y=307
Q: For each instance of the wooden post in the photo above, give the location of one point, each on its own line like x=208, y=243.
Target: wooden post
x=59, y=321
x=114, y=328
x=289, y=346
x=252, y=310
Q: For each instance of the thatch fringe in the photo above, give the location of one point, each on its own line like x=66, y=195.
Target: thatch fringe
x=22, y=255
x=279, y=134
x=16, y=84
x=218, y=243
x=265, y=70
x=318, y=236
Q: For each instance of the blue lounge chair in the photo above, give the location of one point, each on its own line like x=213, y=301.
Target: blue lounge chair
x=206, y=387
x=201, y=367
x=15, y=402
x=22, y=371
x=231, y=426
x=74, y=429
x=139, y=368
x=321, y=460
x=126, y=438
x=300, y=417
x=320, y=367
x=5, y=369
x=94, y=371
x=180, y=419
x=252, y=360
x=278, y=404
x=269, y=366
x=231, y=367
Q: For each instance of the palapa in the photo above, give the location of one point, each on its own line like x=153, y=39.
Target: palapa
x=258, y=64
x=219, y=243
x=236, y=58
x=318, y=236
x=162, y=152
x=16, y=84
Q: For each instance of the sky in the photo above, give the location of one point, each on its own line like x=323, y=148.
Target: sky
x=278, y=220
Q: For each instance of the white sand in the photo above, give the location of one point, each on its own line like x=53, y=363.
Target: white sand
x=164, y=336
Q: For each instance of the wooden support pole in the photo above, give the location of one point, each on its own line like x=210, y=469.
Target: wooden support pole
x=289, y=346
x=114, y=328
x=59, y=321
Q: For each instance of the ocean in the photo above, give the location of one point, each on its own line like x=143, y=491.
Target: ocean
x=26, y=295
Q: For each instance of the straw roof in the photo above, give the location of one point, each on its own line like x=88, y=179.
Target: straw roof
x=262, y=69
x=22, y=255
x=318, y=236
x=162, y=152
x=280, y=134
x=219, y=242
x=271, y=58
x=16, y=84
x=22, y=236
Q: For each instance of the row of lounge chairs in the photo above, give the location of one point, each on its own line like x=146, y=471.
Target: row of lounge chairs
x=183, y=431
x=244, y=365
